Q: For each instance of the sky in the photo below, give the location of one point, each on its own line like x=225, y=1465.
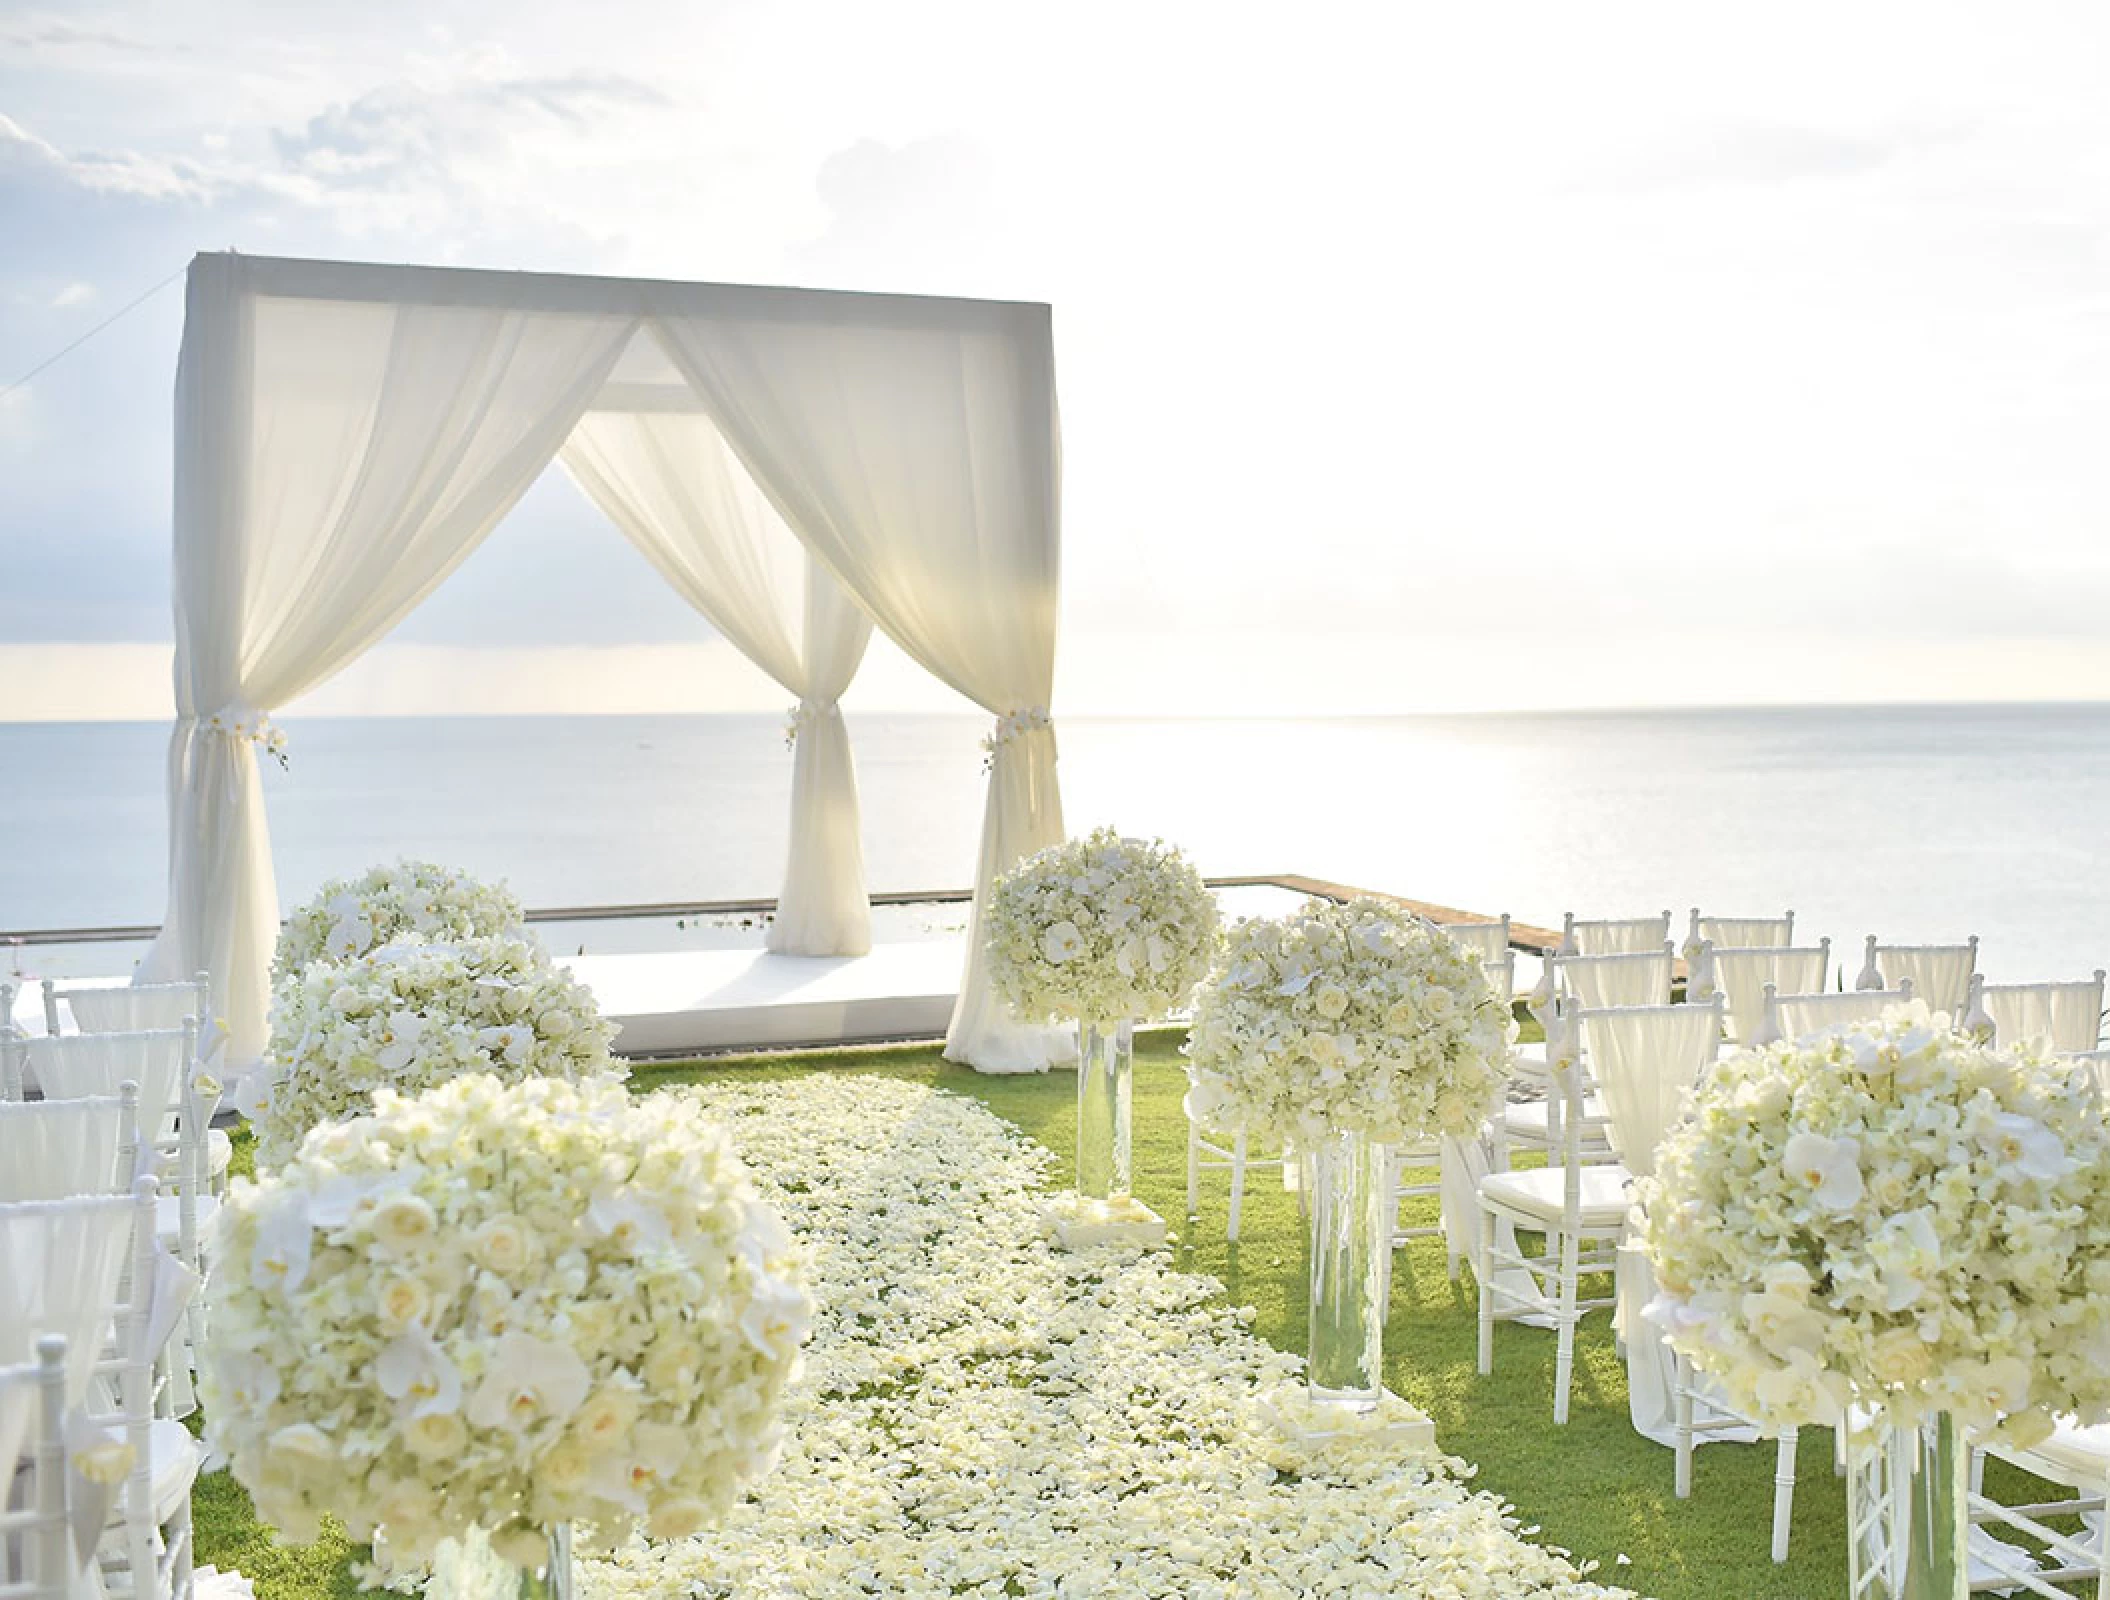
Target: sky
x=1411, y=356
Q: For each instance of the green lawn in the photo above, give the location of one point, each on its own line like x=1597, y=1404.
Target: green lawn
x=1593, y=1487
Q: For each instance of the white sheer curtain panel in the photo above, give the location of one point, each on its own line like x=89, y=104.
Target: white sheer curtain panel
x=914, y=450
x=335, y=460
x=668, y=480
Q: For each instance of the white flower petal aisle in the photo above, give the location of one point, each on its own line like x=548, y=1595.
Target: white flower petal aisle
x=984, y=1415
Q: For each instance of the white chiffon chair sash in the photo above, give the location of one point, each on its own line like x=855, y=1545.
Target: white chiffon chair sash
x=157, y=1007
x=1614, y=936
x=1746, y=933
x=2064, y=1017
x=100, y=1063
x=1645, y=1061
x=1940, y=973
x=1741, y=974
x=1804, y=1014
x=56, y=1148
x=60, y=1265
x=1652, y=1368
x=1633, y=979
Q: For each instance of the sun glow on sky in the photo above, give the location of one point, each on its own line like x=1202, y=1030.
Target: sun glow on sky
x=1415, y=357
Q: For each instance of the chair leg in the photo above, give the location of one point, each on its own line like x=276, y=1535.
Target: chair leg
x=1237, y=1185
x=1194, y=1169
x=1485, y=1274
x=1681, y=1393
x=1783, y=1494
x=1564, y=1351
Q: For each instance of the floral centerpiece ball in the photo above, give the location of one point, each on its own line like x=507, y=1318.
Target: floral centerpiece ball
x=1100, y=929
x=1893, y=1217
x=403, y=902
x=503, y=1307
x=409, y=1016
x=1355, y=1018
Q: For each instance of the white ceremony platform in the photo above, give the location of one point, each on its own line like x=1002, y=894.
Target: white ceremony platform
x=690, y=1002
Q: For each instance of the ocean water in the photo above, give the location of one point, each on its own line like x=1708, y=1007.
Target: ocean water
x=1920, y=824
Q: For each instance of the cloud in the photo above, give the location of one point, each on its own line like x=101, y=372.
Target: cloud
x=121, y=172
x=74, y=294
x=43, y=36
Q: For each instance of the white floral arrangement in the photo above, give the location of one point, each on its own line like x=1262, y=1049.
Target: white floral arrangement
x=1100, y=929
x=411, y=1016
x=1890, y=1217
x=503, y=1307
x=414, y=901
x=1356, y=1018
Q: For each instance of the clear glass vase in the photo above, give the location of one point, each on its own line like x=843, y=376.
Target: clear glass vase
x=554, y=1581
x=1907, y=1513
x=469, y=1569
x=1347, y=1180
x=1105, y=1068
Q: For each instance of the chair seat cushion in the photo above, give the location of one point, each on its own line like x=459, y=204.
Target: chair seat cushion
x=1529, y=1120
x=2076, y=1456
x=1540, y=1194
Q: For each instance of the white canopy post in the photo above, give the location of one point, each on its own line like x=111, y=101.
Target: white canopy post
x=336, y=459
x=669, y=482
x=913, y=446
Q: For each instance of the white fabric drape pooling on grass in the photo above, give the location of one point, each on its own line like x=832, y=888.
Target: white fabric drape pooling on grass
x=918, y=461
x=335, y=461
x=668, y=480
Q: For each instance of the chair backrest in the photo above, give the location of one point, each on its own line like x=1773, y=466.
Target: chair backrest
x=1491, y=939
x=1940, y=973
x=1740, y=975
x=1598, y=983
x=61, y=1265
x=2063, y=1017
x=1742, y=933
x=1799, y=1016
x=1502, y=978
x=55, y=1148
x=1645, y=1060
x=127, y=1008
x=36, y=1556
x=1612, y=936
x=160, y=1062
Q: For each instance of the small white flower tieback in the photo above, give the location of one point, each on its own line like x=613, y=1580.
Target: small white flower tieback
x=801, y=716
x=241, y=720
x=1014, y=725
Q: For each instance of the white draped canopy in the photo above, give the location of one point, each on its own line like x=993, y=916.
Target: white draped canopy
x=801, y=465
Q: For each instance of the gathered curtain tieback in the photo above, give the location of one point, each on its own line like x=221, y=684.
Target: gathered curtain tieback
x=1014, y=725
x=238, y=719
x=805, y=714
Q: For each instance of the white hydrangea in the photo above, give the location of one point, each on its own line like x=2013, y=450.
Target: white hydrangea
x=1355, y=1018
x=403, y=901
x=1894, y=1217
x=1100, y=929
x=408, y=1016
x=504, y=1307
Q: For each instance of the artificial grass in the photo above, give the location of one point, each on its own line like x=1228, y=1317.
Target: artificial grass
x=1593, y=1487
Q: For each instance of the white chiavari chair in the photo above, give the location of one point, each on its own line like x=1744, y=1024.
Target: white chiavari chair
x=1740, y=975
x=1940, y=973
x=1593, y=983
x=144, y=1008
x=36, y=1548
x=2061, y=1017
x=175, y=1104
x=1647, y=1057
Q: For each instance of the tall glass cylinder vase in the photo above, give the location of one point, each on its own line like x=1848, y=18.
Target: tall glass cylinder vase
x=1105, y=1068
x=1907, y=1514
x=554, y=1581
x=1349, y=1195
